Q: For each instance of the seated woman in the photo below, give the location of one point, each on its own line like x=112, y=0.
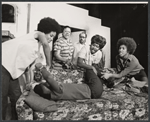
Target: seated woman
x=92, y=56
x=53, y=90
x=63, y=50
x=128, y=65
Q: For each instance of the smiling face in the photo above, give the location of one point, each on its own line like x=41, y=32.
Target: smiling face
x=66, y=33
x=50, y=36
x=94, y=48
x=123, y=52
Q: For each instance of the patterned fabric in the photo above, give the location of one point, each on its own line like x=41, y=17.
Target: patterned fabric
x=115, y=104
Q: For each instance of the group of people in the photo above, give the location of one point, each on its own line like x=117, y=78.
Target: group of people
x=19, y=55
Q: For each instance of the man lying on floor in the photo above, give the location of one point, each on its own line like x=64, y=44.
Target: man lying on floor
x=52, y=90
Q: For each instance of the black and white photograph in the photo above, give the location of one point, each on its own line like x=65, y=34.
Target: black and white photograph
x=74, y=60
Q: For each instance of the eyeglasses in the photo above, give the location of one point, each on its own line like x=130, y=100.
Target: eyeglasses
x=82, y=37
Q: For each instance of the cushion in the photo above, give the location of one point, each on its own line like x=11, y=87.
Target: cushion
x=40, y=104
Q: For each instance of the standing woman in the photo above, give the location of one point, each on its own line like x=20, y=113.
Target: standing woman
x=20, y=53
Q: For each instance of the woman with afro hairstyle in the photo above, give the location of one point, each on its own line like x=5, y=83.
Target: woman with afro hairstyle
x=20, y=53
x=128, y=65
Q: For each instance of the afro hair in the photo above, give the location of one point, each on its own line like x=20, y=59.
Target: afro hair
x=101, y=41
x=47, y=25
x=129, y=43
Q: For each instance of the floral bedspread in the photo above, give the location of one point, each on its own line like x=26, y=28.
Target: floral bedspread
x=115, y=104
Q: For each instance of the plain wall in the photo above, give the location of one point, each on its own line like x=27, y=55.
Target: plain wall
x=65, y=14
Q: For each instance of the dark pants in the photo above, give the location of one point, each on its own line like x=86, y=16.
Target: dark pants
x=11, y=89
x=140, y=76
x=94, y=83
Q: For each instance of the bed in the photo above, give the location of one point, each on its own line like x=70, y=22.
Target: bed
x=115, y=104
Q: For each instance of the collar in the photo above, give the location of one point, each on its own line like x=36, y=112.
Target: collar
x=80, y=43
x=129, y=58
x=95, y=53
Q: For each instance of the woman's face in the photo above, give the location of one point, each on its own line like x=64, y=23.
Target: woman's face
x=50, y=36
x=66, y=33
x=94, y=48
x=123, y=51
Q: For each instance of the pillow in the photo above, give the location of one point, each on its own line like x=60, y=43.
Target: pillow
x=40, y=104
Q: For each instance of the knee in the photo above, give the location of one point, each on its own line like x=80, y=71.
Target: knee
x=89, y=74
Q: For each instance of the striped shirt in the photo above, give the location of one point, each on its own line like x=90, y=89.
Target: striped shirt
x=66, y=50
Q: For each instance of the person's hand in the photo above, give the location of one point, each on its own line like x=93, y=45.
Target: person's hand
x=47, y=68
x=94, y=69
x=38, y=65
x=68, y=62
x=28, y=86
x=106, y=75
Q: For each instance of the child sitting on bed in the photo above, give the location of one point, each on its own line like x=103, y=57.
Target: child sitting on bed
x=128, y=65
x=53, y=90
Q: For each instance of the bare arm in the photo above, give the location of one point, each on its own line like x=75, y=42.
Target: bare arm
x=46, y=47
x=123, y=73
x=80, y=63
x=58, y=57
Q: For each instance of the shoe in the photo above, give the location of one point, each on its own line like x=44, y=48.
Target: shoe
x=144, y=89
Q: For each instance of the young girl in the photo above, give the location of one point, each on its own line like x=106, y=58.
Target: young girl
x=127, y=64
x=18, y=54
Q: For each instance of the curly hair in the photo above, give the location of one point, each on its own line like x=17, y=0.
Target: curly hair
x=101, y=41
x=128, y=42
x=47, y=25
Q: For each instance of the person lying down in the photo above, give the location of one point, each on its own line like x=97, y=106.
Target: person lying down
x=52, y=90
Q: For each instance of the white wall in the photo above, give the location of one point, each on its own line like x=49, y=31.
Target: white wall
x=75, y=37
x=20, y=26
x=65, y=14
x=94, y=27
